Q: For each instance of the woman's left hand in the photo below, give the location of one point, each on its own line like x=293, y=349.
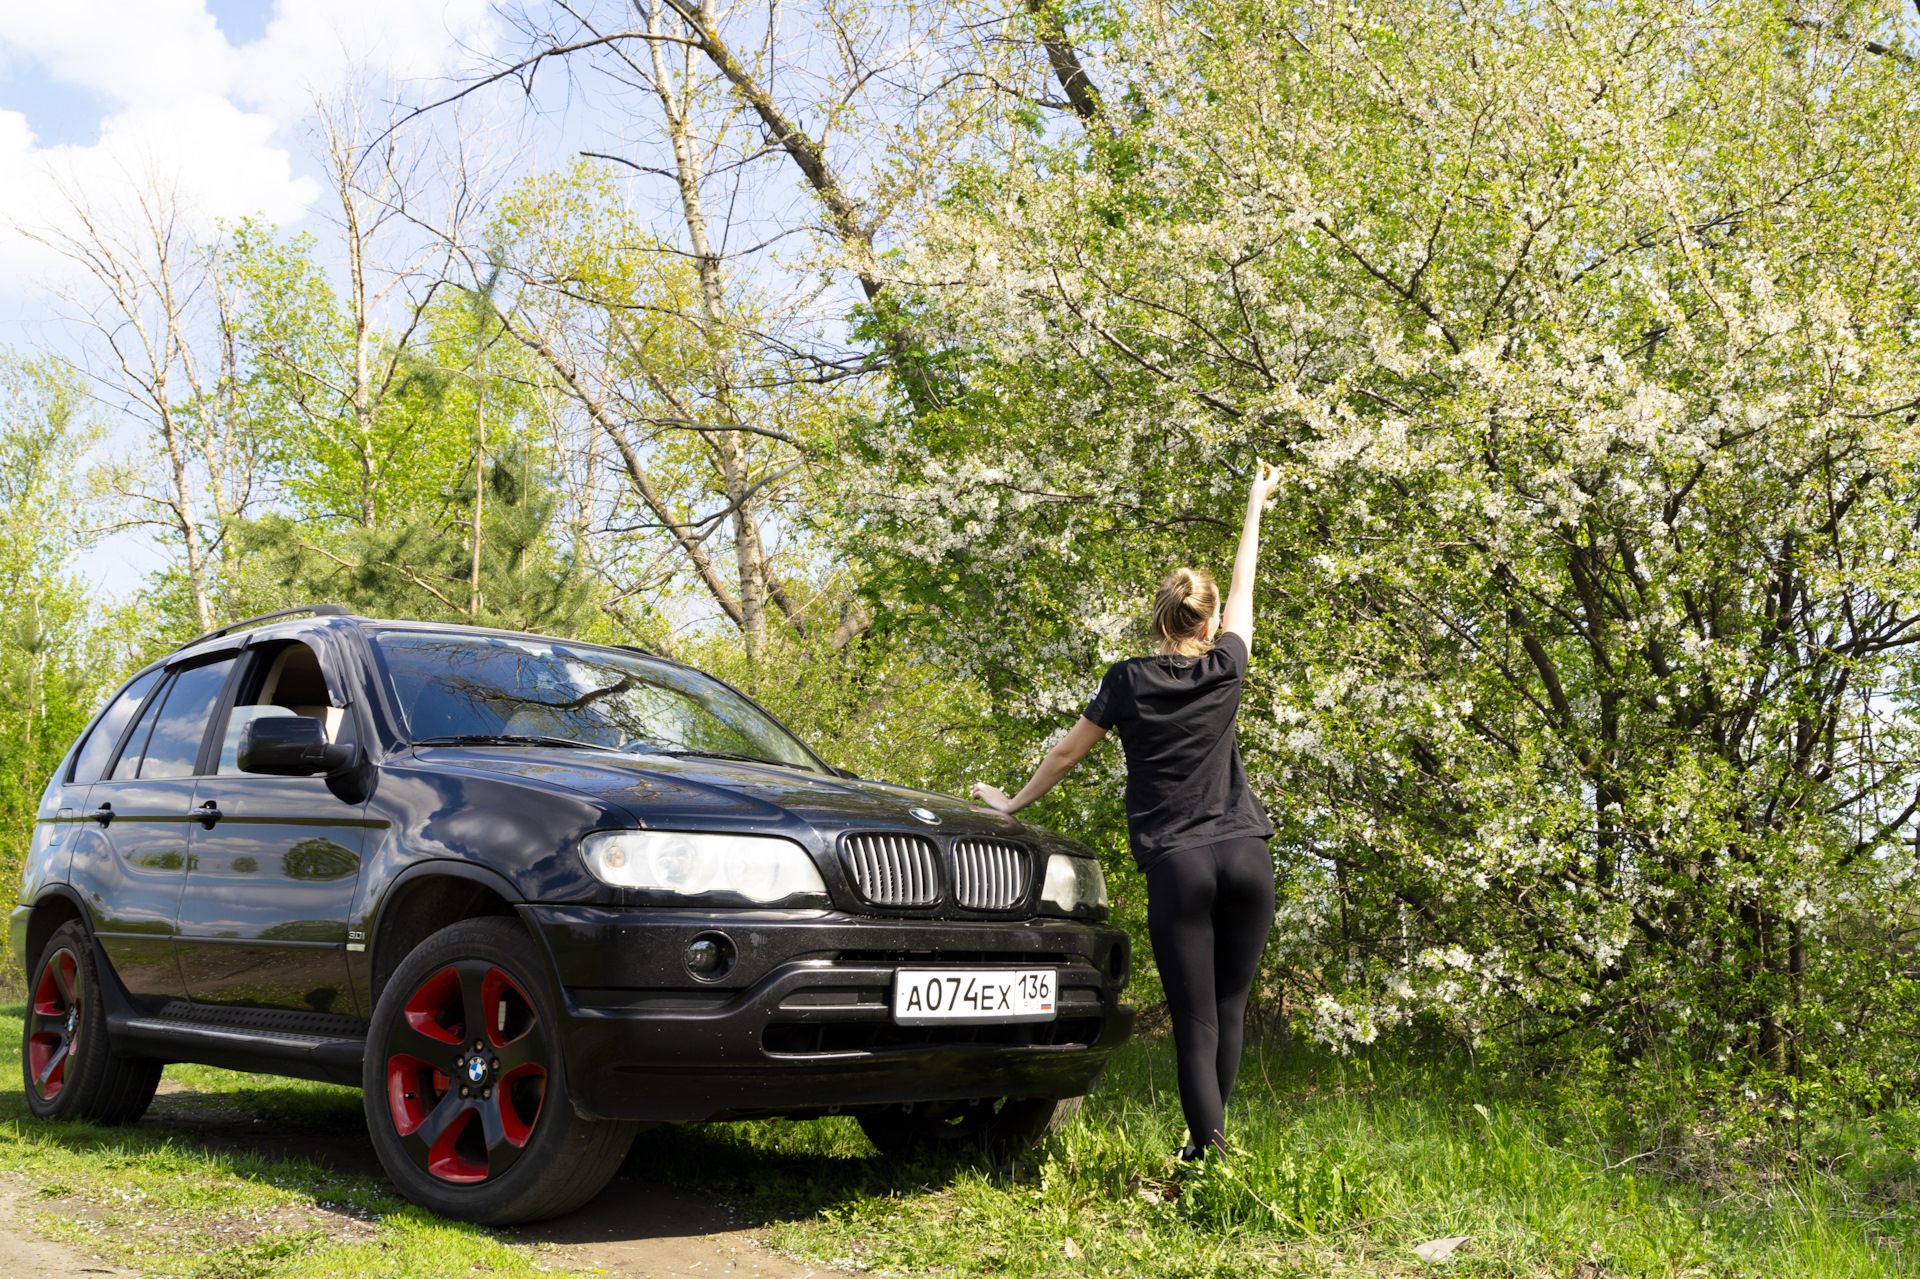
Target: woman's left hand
x=992, y=796
x=1266, y=478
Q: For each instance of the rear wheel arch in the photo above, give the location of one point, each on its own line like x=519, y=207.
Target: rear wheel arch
x=56, y=907
x=426, y=899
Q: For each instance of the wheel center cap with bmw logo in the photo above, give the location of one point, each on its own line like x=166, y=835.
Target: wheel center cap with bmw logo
x=924, y=815
x=477, y=1071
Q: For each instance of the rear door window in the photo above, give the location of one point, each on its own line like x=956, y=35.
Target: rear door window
x=91, y=761
x=174, y=747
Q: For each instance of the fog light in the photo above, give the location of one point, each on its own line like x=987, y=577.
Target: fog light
x=710, y=956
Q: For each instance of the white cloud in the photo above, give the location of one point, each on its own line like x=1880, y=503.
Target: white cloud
x=219, y=122
x=137, y=51
x=311, y=44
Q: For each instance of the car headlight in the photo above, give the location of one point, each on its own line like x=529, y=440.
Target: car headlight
x=1074, y=884
x=756, y=867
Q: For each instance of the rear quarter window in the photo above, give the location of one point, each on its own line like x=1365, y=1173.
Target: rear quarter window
x=91, y=761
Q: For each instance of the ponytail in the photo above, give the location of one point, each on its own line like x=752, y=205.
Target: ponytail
x=1183, y=607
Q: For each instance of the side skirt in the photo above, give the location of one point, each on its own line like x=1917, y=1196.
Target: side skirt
x=331, y=1059
x=268, y=1041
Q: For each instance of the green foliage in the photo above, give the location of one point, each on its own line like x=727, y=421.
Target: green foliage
x=53, y=664
x=337, y=455
x=418, y=564
x=1587, y=660
x=701, y=415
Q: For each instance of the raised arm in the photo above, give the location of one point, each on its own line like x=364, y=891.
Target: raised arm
x=1238, y=615
x=1060, y=761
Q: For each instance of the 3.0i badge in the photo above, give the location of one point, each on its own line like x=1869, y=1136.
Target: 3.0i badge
x=926, y=815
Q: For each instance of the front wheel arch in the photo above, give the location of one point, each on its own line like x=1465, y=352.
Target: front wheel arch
x=424, y=899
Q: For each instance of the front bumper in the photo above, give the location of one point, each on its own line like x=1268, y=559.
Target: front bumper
x=802, y=1023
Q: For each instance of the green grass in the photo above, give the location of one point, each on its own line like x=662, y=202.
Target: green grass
x=1344, y=1166
x=166, y=1205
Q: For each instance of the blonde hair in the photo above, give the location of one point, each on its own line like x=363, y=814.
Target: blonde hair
x=1183, y=607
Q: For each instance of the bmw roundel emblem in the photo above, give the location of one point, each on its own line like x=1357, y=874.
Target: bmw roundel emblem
x=926, y=815
x=476, y=1071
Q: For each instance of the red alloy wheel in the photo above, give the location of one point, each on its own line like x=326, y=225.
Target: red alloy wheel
x=54, y=1023
x=466, y=1073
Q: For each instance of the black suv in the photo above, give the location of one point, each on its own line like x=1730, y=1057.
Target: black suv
x=531, y=895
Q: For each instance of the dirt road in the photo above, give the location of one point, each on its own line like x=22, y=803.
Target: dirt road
x=634, y=1229
x=26, y=1256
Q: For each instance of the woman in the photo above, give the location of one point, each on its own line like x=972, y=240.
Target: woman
x=1195, y=828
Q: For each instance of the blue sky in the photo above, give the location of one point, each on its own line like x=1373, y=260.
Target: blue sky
x=212, y=94
x=63, y=113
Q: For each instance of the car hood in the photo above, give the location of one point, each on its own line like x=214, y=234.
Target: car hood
x=665, y=792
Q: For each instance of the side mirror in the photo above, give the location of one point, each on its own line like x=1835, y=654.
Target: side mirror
x=291, y=746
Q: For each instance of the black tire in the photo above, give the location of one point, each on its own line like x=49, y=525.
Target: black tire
x=66, y=1062
x=1002, y=1127
x=513, y=1149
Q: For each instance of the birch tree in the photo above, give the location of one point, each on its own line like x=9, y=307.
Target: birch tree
x=145, y=291
x=337, y=362
x=711, y=131
x=679, y=410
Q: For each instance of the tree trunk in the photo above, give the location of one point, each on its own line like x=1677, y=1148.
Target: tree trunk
x=479, y=481
x=748, y=553
x=1081, y=95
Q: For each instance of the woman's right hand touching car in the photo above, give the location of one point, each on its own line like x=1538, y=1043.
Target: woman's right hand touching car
x=1060, y=761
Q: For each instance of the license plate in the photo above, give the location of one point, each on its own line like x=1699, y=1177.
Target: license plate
x=922, y=997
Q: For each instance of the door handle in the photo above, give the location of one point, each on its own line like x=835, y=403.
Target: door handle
x=207, y=814
x=102, y=814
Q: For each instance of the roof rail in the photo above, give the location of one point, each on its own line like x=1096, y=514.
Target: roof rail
x=317, y=610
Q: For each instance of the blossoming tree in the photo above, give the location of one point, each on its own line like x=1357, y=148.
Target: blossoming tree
x=1586, y=335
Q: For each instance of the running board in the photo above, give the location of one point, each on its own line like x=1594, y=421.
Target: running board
x=332, y=1059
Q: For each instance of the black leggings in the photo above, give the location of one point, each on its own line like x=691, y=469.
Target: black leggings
x=1208, y=912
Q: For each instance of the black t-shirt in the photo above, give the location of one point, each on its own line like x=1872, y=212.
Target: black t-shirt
x=1185, y=784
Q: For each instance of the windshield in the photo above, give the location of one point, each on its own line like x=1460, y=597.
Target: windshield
x=485, y=686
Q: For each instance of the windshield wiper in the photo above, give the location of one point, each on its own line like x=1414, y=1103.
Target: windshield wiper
x=510, y=739
x=531, y=739
x=744, y=759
